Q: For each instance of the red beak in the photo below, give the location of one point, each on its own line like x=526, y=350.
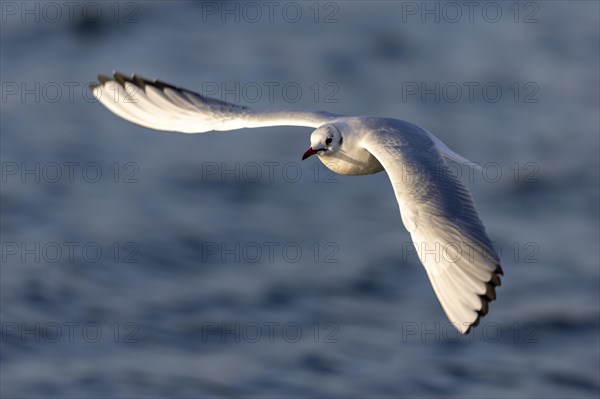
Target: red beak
x=308, y=153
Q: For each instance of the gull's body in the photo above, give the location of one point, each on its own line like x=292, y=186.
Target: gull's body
x=436, y=208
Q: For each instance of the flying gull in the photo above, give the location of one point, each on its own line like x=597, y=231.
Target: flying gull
x=436, y=208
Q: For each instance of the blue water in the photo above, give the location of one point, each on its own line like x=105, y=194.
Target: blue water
x=220, y=265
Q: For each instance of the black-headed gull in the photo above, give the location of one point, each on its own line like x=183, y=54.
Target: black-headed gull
x=436, y=208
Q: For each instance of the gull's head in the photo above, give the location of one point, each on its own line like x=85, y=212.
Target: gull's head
x=325, y=140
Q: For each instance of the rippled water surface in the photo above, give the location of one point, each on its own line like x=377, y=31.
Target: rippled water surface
x=139, y=263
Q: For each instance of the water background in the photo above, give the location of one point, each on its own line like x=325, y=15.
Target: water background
x=186, y=286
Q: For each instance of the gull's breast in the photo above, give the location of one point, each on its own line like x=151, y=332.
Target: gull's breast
x=360, y=162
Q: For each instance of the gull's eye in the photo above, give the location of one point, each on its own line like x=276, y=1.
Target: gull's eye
x=328, y=141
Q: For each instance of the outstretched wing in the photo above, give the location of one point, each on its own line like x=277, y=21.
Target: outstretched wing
x=161, y=106
x=438, y=211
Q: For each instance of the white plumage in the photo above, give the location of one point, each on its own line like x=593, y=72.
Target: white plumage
x=436, y=208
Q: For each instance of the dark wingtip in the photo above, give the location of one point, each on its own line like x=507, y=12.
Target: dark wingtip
x=139, y=81
x=485, y=307
x=499, y=270
x=495, y=277
x=120, y=78
x=489, y=296
x=160, y=85
x=103, y=79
